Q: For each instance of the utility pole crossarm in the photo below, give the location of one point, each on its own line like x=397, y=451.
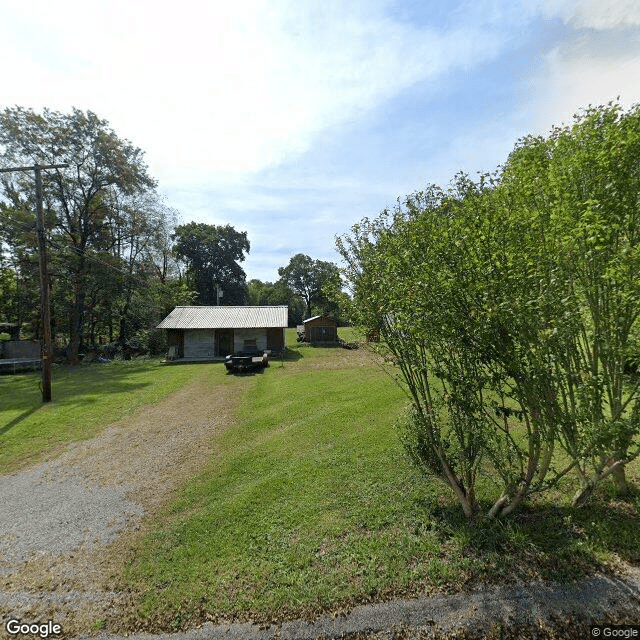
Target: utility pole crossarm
x=34, y=167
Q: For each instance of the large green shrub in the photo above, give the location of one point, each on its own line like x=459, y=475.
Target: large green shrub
x=509, y=307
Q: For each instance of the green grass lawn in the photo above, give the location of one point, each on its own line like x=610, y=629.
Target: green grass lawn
x=85, y=399
x=310, y=504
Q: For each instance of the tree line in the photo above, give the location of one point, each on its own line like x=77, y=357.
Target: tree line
x=509, y=306
x=119, y=259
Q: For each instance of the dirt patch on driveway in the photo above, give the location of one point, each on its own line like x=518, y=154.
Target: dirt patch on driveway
x=70, y=523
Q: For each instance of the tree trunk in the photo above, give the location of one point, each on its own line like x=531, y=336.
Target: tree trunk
x=589, y=486
x=75, y=335
x=617, y=472
x=620, y=478
x=92, y=332
x=77, y=317
x=123, y=329
x=123, y=317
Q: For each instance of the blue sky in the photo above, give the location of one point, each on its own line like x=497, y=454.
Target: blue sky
x=292, y=120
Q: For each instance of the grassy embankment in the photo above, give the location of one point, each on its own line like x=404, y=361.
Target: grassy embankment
x=309, y=504
x=85, y=399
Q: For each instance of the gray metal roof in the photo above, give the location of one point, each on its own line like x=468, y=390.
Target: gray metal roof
x=226, y=318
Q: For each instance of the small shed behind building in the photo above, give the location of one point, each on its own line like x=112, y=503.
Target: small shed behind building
x=320, y=329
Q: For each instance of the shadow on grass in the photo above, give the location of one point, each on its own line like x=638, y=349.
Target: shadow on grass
x=291, y=354
x=18, y=419
x=71, y=385
x=252, y=372
x=552, y=542
x=98, y=379
x=324, y=345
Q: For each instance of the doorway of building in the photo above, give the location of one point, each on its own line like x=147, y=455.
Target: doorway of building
x=224, y=342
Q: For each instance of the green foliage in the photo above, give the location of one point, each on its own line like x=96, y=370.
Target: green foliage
x=308, y=279
x=276, y=293
x=583, y=183
x=9, y=299
x=212, y=254
x=152, y=340
x=516, y=297
x=111, y=268
x=18, y=265
x=95, y=209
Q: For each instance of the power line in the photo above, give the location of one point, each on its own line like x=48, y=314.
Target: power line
x=167, y=294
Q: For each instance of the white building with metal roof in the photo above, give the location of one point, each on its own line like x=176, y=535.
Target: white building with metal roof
x=209, y=333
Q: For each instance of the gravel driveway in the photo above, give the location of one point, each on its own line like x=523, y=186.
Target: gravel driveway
x=67, y=524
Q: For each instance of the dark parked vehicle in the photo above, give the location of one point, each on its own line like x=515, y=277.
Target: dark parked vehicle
x=248, y=360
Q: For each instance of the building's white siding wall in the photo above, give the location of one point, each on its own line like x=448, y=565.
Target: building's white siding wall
x=259, y=335
x=199, y=343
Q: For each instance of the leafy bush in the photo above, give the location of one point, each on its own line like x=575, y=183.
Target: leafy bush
x=516, y=296
x=153, y=341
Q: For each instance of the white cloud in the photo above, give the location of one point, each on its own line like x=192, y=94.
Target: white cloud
x=591, y=68
x=597, y=60
x=212, y=89
x=594, y=14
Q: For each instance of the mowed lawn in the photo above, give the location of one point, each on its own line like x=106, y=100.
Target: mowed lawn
x=85, y=399
x=309, y=504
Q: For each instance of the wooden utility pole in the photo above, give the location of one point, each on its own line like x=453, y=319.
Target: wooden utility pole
x=45, y=312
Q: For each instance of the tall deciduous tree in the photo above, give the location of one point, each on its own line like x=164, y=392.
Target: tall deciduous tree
x=78, y=199
x=307, y=278
x=511, y=307
x=212, y=254
x=589, y=193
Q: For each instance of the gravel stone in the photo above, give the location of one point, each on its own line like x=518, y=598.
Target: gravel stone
x=67, y=524
x=42, y=514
